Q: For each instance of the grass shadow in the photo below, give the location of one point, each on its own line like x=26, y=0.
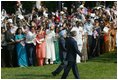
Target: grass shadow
x=110, y=57
x=34, y=76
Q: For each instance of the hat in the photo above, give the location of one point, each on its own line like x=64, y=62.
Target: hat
x=10, y=21
x=62, y=33
x=98, y=7
x=61, y=12
x=65, y=8
x=92, y=15
x=81, y=6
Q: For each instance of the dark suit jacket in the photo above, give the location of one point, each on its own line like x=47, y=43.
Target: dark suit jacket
x=72, y=49
x=9, y=37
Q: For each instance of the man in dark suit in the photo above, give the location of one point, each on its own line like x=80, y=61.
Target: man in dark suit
x=72, y=51
x=10, y=39
x=62, y=52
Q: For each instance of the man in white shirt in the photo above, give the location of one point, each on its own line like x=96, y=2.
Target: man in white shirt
x=88, y=28
x=30, y=46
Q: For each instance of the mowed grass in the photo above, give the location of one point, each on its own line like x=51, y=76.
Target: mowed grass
x=102, y=67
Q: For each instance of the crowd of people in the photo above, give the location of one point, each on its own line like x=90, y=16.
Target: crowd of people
x=33, y=39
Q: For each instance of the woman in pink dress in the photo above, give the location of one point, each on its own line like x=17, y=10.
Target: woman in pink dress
x=40, y=46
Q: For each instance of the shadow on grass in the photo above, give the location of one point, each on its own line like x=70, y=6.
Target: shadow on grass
x=33, y=76
x=110, y=57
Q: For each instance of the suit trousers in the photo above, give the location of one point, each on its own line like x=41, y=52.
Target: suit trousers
x=11, y=52
x=30, y=53
x=73, y=65
x=60, y=67
x=63, y=63
x=89, y=49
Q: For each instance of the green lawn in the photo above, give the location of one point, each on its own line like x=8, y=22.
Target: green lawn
x=102, y=67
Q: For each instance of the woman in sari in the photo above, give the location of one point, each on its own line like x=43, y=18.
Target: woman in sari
x=96, y=39
x=106, y=37
x=56, y=44
x=20, y=48
x=40, y=46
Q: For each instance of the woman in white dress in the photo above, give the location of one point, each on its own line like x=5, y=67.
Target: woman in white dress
x=78, y=38
x=50, y=49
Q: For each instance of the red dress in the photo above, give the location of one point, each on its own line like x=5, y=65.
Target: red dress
x=106, y=42
x=40, y=48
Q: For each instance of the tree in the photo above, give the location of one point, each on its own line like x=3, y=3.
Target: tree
x=10, y=6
